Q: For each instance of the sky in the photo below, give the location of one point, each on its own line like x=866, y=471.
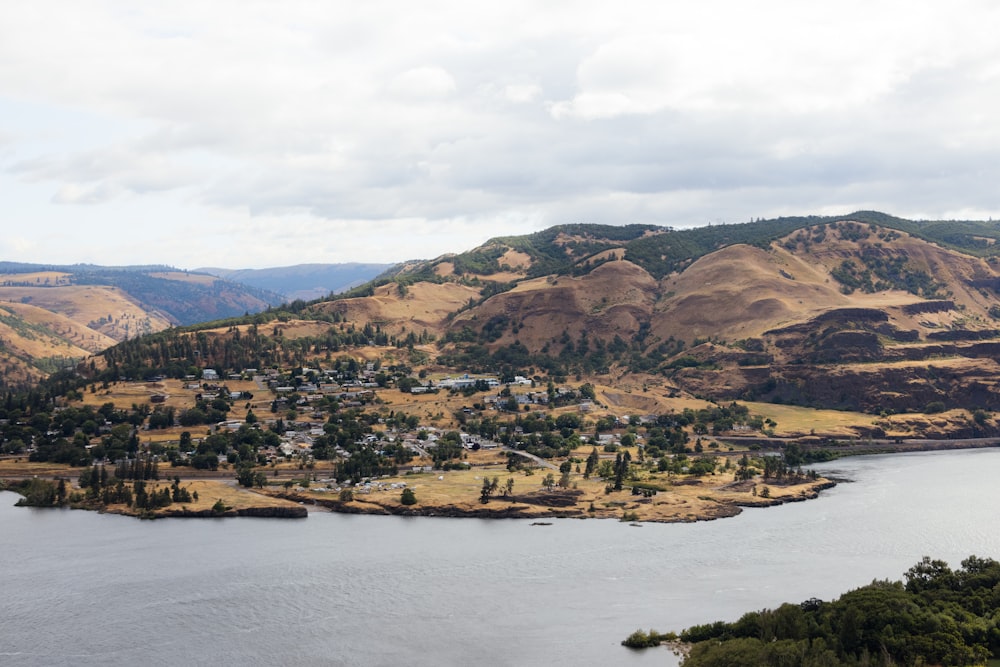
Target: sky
x=246, y=134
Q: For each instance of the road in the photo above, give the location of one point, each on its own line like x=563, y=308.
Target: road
x=537, y=459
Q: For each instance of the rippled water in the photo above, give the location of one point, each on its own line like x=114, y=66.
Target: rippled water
x=84, y=589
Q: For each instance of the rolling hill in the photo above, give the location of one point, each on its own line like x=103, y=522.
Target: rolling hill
x=303, y=281
x=52, y=317
x=864, y=312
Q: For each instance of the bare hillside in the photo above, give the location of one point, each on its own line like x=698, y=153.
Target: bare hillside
x=398, y=309
x=609, y=301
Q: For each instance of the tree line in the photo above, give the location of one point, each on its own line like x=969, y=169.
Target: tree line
x=936, y=616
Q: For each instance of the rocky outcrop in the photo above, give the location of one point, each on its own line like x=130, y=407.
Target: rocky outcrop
x=286, y=512
x=940, y=306
x=963, y=334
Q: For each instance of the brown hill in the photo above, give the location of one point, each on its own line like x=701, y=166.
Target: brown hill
x=838, y=314
x=611, y=300
x=789, y=322
x=51, y=318
x=398, y=310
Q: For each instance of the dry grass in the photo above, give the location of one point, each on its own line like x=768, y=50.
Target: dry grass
x=83, y=303
x=797, y=421
x=741, y=291
x=234, y=496
x=50, y=338
x=682, y=499
x=21, y=467
x=515, y=259
x=425, y=306
x=70, y=330
x=39, y=277
x=209, y=493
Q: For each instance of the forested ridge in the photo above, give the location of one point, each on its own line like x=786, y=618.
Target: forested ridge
x=561, y=249
x=936, y=616
x=663, y=250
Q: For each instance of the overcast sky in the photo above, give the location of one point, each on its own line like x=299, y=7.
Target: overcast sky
x=251, y=134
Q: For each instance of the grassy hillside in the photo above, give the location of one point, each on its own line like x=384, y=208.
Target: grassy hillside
x=55, y=316
x=863, y=312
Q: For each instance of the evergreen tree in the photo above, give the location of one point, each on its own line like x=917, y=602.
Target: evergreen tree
x=592, y=462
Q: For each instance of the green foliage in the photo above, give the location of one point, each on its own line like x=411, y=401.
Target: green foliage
x=490, y=487
x=878, y=269
x=940, y=617
x=407, y=497
x=39, y=492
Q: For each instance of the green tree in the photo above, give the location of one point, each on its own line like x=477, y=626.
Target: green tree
x=408, y=497
x=489, y=488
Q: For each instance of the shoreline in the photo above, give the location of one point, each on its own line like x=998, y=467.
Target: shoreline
x=519, y=509
x=681, y=499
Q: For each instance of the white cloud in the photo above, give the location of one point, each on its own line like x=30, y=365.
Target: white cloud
x=421, y=82
x=521, y=93
x=73, y=193
x=268, y=128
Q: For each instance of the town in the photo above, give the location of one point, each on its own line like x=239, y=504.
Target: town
x=363, y=435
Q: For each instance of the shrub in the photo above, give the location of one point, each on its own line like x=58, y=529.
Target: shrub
x=934, y=407
x=640, y=639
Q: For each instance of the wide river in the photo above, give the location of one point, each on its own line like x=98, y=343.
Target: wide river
x=80, y=588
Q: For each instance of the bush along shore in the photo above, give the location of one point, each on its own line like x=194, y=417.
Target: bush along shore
x=150, y=499
x=936, y=616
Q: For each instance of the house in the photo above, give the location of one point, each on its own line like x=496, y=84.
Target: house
x=209, y=374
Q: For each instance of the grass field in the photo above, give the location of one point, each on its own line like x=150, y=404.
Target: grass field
x=457, y=492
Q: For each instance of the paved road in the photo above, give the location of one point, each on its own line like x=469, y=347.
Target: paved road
x=418, y=449
x=537, y=459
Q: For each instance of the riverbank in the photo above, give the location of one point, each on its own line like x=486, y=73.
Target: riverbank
x=662, y=498
x=209, y=499
x=659, y=497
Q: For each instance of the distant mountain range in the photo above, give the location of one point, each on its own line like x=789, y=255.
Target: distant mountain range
x=303, y=281
x=51, y=316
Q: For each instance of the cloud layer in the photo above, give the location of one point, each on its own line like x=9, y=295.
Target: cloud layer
x=258, y=134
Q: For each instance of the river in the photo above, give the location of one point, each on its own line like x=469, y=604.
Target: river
x=82, y=588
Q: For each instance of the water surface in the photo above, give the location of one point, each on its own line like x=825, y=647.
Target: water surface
x=86, y=589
